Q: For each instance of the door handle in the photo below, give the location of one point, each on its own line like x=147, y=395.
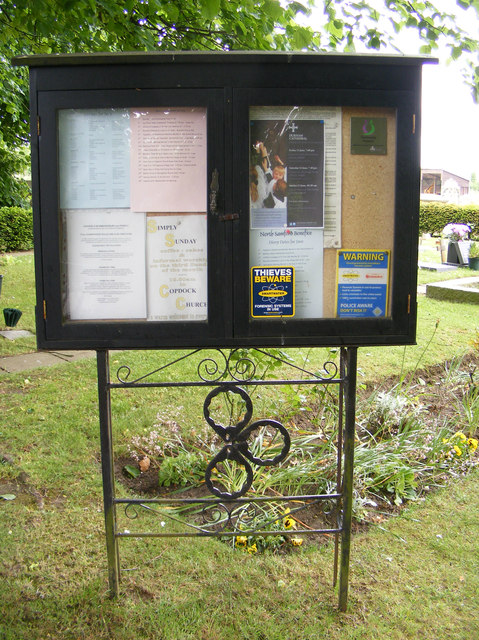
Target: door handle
x=214, y=188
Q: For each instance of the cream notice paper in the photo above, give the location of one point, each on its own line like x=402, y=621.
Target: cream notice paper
x=177, y=275
x=105, y=253
x=168, y=160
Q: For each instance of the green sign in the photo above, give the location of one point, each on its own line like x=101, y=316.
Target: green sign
x=369, y=136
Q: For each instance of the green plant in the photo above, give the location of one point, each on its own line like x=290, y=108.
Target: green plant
x=434, y=216
x=387, y=413
x=459, y=445
x=16, y=229
x=474, y=249
x=468, y=410
x=185, y=468
x=253, y=363
x=14, y=166
x=269, y=519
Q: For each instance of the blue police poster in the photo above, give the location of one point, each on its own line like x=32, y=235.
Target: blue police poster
x=362, y=289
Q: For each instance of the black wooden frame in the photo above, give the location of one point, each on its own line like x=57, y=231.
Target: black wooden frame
x=227, y=84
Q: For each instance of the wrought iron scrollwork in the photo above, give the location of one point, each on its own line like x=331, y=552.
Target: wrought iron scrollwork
x=235, y=366
x=259, y=515
x=239, y=368
x=236, y=446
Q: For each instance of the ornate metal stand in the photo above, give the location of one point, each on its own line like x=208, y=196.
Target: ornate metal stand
x=232, y=513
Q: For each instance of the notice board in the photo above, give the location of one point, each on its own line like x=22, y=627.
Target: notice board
x=225, y=200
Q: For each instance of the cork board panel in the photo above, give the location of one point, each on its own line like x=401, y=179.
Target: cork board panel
x=367, y=199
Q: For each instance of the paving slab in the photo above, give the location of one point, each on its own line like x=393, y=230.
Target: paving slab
x=437, y=266
x=28, y=361
x=14, y=334
x=460, y=290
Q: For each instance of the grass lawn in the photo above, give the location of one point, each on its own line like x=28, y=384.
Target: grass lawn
x=413, y=575
x=18, y=292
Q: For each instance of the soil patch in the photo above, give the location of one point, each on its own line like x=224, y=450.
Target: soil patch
x=23, y=491
x=439, y=388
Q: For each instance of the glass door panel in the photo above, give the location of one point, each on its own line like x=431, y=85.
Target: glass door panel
x=133, y=201
x=287, y=211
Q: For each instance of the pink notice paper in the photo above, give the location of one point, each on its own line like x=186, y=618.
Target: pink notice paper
x=168, y=160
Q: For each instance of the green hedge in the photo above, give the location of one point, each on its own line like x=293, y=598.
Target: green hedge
x=16, y=224
x=16, y=229
x=433, y=217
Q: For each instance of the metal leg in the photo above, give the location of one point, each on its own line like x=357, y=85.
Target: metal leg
x=103, y=369
x=339, y=461
x=350, y=420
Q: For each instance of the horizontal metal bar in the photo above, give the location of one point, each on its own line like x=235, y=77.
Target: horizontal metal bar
x=219, y=383
x=224, y=534
x=238, y=501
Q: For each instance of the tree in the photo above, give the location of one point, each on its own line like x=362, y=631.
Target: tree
x=63, y=26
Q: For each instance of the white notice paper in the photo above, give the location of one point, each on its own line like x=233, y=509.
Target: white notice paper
x=94, y=158
x=301, y=249
x=168, y=160
x=177, y=275
x=105, y=264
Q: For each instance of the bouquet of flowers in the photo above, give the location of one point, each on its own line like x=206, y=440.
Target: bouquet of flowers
x=456, y=232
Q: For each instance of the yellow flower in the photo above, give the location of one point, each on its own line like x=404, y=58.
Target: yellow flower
x=288, y=522
x=296, y=542
x=241, y=541
x=460, y=435
x=472, y=442
x=457, y=450
x=252, y=549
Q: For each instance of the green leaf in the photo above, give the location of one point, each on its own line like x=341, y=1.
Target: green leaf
x=8, y=496
x=210, y=8
x=456, y=52
x=131, y=471
x=301, y=38
x=297, y=7
x=240, y=28
x=173, y=12
x=273, y=9
x=129, y=5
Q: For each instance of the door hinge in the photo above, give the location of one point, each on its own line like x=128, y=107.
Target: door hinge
x=413, y=124
x=409, y=304
x=44, y=309
x=38, y=125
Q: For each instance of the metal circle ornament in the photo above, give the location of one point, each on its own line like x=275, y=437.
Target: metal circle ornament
x=274, y=426
x=236, y=448
x=220, y=429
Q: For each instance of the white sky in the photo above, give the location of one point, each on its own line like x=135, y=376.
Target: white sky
x=450, y=122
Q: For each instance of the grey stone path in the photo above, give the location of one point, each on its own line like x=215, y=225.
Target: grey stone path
x=28, y=361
